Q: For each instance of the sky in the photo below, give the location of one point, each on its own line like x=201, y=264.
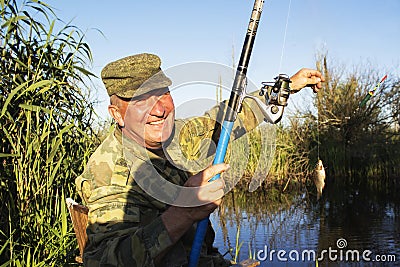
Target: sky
x=289, y=36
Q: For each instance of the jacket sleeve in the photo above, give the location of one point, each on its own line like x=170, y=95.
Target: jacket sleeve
x=248, y=118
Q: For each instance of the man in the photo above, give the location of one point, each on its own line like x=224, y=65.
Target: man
x=142, y=186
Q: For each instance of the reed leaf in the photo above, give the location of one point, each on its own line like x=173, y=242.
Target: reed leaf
x=10, y=97
x=5, y=155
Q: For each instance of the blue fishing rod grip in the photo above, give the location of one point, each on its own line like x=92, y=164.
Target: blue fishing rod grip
x=203, y=224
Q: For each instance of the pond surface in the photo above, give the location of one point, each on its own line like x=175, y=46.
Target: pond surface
x=348, y=226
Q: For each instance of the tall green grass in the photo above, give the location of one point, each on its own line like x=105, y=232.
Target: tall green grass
x=46, y=132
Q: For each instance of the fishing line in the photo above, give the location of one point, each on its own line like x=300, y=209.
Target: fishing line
x=284, y=36
x=318, y=105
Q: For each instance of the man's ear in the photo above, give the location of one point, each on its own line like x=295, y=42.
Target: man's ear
x=116, y=114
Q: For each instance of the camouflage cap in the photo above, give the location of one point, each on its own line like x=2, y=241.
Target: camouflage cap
x=134, y=75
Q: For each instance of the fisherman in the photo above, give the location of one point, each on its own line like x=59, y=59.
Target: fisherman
x=135, y=217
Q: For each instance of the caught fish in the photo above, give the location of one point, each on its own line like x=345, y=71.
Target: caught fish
x=319, y=178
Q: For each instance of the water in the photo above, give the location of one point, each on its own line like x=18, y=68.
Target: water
x=349, y=226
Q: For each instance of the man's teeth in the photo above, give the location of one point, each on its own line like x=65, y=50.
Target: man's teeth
x=156, y=122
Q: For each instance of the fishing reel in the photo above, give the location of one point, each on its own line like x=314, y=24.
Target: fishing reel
x=277, y=93
x=276, y=98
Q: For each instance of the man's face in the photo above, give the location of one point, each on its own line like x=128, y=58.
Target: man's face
x=149, y=118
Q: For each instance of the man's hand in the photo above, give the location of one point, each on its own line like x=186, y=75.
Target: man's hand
x=306, y=77
x=200, y=202
x=205, y=196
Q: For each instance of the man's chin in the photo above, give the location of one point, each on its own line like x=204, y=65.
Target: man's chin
x=156, y=140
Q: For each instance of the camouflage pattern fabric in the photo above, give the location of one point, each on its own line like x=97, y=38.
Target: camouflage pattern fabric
x=124, y=226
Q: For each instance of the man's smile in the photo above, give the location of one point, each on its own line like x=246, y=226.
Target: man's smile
x=157, y=122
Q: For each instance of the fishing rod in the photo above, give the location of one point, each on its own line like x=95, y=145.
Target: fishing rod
x=372, y=92
x=276, y=96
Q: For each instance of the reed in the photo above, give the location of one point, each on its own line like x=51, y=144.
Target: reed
x=46, y=133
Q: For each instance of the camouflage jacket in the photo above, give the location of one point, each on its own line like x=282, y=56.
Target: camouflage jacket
x=124, y=227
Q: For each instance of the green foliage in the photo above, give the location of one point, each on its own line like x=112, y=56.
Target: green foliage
x=292, y=152
x=46, y=134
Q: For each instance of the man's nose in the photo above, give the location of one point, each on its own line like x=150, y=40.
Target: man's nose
x=158, y=108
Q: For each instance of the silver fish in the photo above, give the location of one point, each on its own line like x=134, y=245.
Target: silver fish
x=319, y=178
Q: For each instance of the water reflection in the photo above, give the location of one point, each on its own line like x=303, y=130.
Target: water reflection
x=347, y=222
